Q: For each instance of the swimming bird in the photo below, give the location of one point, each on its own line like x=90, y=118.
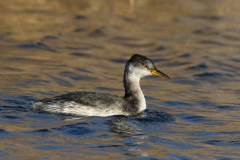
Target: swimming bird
x=103, y=104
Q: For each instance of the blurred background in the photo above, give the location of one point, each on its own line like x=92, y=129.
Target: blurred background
x=54, y=47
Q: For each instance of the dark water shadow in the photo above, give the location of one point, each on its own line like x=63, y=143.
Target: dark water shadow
x=185, y=55
x=199, y=67
x=119, y=60
x=36, y=45
x=126, y=39
x=81, y=17
x=207, y=17
x=75, y=76
x=49, y=37
x=77, y=129
x=3, y=35
x=213, y=77
x=181, y=80
x=213, y=74
x=136, y=125
x=78, y=54
x=160, y=48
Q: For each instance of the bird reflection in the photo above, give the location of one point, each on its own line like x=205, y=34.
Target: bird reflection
x=123, y=125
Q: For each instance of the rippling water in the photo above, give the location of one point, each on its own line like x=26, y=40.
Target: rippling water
x=53, y=47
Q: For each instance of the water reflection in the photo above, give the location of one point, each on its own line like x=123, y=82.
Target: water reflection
x=122, y=125
x=83, y=45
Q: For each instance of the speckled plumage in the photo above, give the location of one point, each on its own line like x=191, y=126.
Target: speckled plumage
x=94, y=99
x=103, y=104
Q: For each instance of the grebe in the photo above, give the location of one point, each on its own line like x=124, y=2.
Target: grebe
x=103, y=104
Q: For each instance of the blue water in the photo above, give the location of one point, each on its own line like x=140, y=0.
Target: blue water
x=84, y=45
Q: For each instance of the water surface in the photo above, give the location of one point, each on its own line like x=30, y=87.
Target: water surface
x=51, y=48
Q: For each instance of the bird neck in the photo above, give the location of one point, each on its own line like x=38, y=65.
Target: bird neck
x=133, y=92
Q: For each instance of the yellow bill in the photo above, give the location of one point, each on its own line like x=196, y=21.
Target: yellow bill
x=159, y=73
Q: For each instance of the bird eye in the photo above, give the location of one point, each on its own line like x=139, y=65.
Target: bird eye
x=146, y=64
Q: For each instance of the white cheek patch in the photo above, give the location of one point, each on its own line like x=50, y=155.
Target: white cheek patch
x=138, y=72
